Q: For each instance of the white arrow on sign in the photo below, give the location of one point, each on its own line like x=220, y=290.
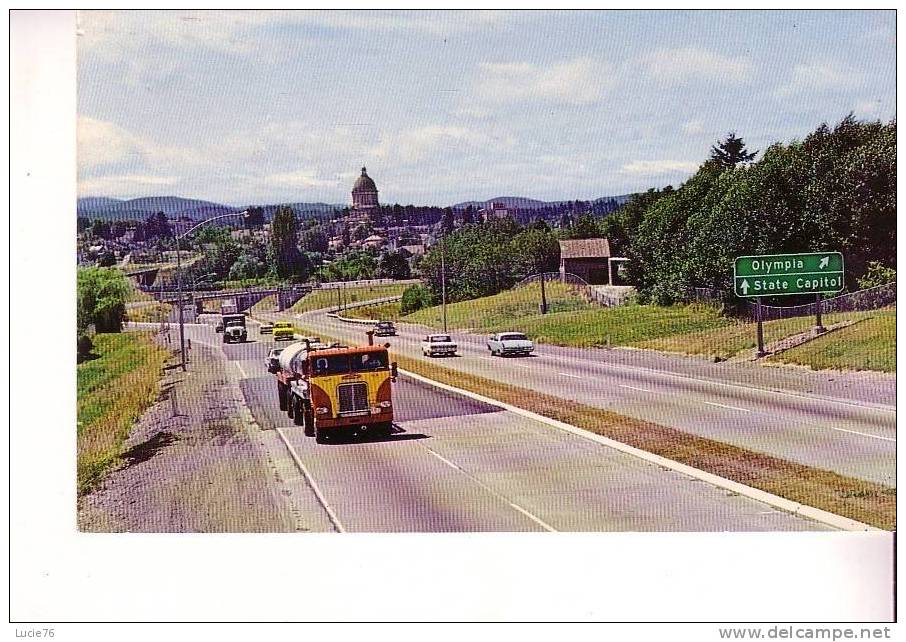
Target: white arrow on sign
x=744, y=286
x=823, y=263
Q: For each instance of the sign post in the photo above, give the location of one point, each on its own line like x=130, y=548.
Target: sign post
x=815, y=273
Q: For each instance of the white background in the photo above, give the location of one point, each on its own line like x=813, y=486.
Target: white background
x=59, y=574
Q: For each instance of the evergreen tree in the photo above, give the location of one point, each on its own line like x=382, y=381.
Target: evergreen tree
x=285, y=258
x=731, y=152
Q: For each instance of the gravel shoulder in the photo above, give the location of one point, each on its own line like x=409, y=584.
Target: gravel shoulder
x=207, y=469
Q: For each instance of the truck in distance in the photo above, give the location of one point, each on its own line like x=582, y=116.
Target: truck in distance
x=438, y=344
x=334, y=389
x=234, y=328
x=510, y=343
x=283, y=330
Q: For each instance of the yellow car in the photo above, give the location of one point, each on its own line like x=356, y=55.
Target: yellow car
x=283, y=330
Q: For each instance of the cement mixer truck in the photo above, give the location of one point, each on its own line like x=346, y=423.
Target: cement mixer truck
x=331, y=389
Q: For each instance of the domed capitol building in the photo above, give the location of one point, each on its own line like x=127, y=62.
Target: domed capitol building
x=364, y=196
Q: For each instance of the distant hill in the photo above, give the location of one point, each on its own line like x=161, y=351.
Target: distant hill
x=177, y=207
x=523, y=203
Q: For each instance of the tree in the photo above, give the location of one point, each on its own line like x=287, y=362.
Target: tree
x=393, y=265
x=314, y=240
x=415, y=297
x=731, y=152
x=82, y=223
x=101, y=295
x=468, y=215
x=285, y=258
x=446, y=221
x=157, y=226
x=254, y=218
x=100, y=229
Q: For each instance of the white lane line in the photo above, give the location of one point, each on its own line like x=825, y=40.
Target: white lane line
x=565, y=374
x=635, y=388
x=535, y=519
x=332, y=516
x=522, y=365
x=244, y=376
x=864, y=434
x=720, y=405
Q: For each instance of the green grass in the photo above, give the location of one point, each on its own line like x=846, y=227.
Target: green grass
x=869, y=344
x=571, y=321
x=328, y=298
x=382, y=312
x=502, y=311
x=735, y=337
x=112, y=391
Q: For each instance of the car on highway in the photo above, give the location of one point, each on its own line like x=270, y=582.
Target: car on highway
x=266, y=328
x=384, y=329
x=283, y=330
x=510, y=343
x=438, y=345
x=272, y=360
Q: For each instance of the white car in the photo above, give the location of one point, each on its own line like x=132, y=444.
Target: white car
x=438, y=344
x=510, y=343
x=272, y=360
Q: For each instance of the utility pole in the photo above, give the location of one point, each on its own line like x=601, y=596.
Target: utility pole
x=759, y=331
x=819, y=327
x=443, y=276
x=543, y=295
x=182, y=330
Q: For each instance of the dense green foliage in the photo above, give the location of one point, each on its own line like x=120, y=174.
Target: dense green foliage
x=101, y=295
x=483, y=259
x=835, y=190
x=286, y=258
x=877, y=274
x=415, y=297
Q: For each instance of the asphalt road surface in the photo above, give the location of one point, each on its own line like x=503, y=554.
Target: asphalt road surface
x=840, y=422
x=454, y=464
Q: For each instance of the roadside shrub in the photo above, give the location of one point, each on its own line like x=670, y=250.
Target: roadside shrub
x=415, y=298
x=876, y=274
x=84, y=346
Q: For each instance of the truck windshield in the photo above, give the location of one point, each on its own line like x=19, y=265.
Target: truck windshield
x=440, y=338
x=369, y=361
x=513, y=337
x=329, y=365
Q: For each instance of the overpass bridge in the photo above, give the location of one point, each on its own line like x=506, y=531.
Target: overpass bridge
x=243, y=298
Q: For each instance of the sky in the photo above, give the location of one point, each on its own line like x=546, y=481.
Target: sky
x=246, y=107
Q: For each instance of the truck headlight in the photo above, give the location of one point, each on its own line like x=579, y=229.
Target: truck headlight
x=321, y=410
x=385, y=404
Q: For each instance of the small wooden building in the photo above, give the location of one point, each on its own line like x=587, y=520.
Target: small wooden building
x=588, y=259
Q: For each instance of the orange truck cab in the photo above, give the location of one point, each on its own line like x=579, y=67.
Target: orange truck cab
x=330, y=389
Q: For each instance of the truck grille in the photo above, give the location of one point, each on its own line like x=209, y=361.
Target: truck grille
x=353, y=398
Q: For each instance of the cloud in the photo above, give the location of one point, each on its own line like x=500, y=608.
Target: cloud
x=102, y=144
x=575, y=82
x=818, y=77
x=678, y=66
x=419, y=144
x=693, y=127
x=125, y=185
x=658, y=167
x=301, y=178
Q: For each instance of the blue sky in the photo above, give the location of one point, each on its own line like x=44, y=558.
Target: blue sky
x=268, y=107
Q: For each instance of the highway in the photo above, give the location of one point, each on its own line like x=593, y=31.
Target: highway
x=846, y=424
x=458, y=465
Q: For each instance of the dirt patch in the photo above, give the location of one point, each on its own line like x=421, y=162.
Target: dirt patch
x=200, y=469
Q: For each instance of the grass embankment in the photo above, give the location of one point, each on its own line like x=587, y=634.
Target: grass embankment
x=380, y=312
x=267, y=304
x=112, y=391
x=863, y=501
x=736, y=337
x=869, y=344
x=571, y=320
x=329, y=298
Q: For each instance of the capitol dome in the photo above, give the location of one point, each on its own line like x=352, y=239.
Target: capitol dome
x=364, y=193
x=364, y=183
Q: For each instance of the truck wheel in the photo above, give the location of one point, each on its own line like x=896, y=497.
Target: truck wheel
x=298, y=413
x=281, y=395
x=290, y=403
x=308, y=421
x=320, y=435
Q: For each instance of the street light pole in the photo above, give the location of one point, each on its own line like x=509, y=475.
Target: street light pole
x=443, y=276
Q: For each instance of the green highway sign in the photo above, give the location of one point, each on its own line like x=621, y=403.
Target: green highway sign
x=784, y=274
